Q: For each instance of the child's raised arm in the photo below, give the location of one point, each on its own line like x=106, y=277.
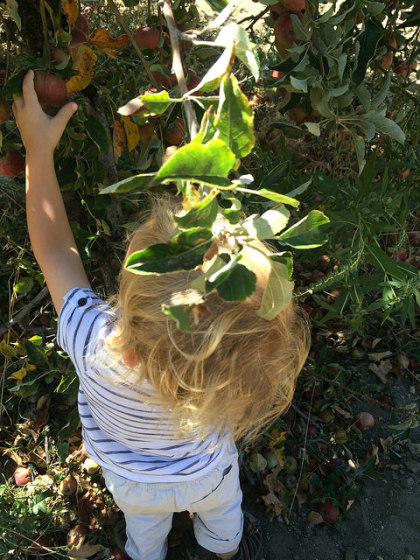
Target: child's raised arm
x=52, y=240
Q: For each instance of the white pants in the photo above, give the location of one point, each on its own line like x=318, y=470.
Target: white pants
x=215, y=499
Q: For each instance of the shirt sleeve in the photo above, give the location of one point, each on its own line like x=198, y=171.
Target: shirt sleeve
x=81, y=318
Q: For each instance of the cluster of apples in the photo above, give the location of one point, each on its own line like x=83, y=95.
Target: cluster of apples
x=50, y=89
x=283, y=27
x=399, y=66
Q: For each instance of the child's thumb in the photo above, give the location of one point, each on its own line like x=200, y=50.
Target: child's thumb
x=64, y=114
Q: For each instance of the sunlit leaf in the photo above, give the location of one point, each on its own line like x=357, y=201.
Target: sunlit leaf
x=305, y=234
x=278, y=292
x=202, y=214
x=132, y=134
x=194, y=161
x=234, y=118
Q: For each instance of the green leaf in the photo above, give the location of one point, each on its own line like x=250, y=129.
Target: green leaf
x=35, y=355
x=155, y=103
x=300, y=189
x=342, y=61
x=300, y=31
x=299, y=85
x=235, y=121
x=244, y=49
x=271, y=195
x=360, y=148
x=14, y=84
x=382, y=93
x=130, y=3
x=166, y=257
x=24, y=285
x=305, y=234
x=213, y=77
x=375, y=8
x=97, y=133
x=12, y=11
x=203, y=214
x=217, y=5
x=278, y=292
x=180, y=314
x=363, y=94
x=233, y=282
x=194, y=161
x=379, y=259
x=268, y=225
x=368, y=41
x=385, y=125
x=137, y=182
x=368, y=129
x=319, y=101
x=313, y=128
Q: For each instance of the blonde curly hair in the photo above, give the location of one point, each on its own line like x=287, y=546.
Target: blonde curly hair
x=235, y=370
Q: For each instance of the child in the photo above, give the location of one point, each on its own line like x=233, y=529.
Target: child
x=160, y=408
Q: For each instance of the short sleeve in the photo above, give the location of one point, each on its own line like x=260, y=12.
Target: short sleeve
x=81, y=318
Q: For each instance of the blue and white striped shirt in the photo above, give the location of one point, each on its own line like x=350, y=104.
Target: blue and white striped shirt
x=134, y=438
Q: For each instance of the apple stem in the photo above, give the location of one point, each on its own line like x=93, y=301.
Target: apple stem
x=133, y=41
x=177, y=65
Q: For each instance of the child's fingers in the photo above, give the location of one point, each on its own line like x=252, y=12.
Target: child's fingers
x=64, y=114
x=28, y=89
x=17, y=102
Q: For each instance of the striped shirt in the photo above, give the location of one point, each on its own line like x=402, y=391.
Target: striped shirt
x=134, y=438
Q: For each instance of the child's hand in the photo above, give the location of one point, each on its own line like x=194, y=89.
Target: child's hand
x=39, y=131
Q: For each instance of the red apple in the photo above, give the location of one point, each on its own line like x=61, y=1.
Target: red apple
x=283, y=32
x=167, y=81
x=329, y=512
x=400, y=67
x=82, y=23
x=148, y=37
x=58, y=55
x=288, y=6
x=175, y=135
x=365, y=421
x=298, y=114
x=50, y=89
x=11, y=164
x=38, y=547
x=146, y=131
x=75, y=534
x=23, y=475
x=4, y=111
x=192, y=81
x=78, y=37
x=386, y=60
x=118, y=554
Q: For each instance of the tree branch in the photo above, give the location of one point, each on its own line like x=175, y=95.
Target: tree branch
x=133, y=41
x=177, y=65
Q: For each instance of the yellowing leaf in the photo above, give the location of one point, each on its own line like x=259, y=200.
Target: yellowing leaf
x=84, y=62
x=7, y=350
x=18, y=375
x=132, y=132
x=77, y=83
x=118, y=139
x=71, y=9
x=104, y=41
x=279, y=451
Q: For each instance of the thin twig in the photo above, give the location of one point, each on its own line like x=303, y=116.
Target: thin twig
x=305, y=416
x=177, y=65
x=16, y=320
x=358, y=394
x=2, y=191
x=133, y=41
x=47, y=51
x=254, y=19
